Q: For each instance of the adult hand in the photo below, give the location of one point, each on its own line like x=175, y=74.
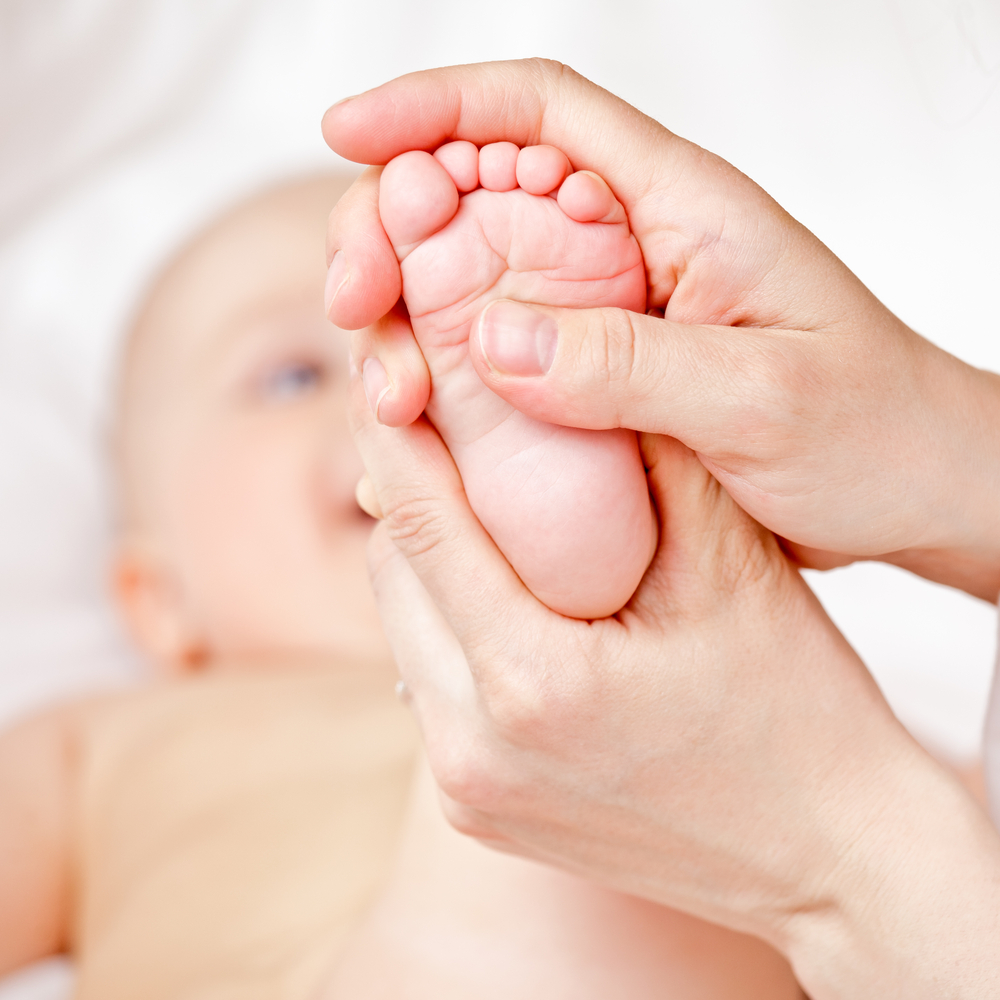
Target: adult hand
x=825, y=416
x=716, y=747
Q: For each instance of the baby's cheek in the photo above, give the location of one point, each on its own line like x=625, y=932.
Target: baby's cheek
x=227, y=526
x=274, y=562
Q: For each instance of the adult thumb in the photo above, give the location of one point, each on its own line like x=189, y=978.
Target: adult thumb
x=708, y=386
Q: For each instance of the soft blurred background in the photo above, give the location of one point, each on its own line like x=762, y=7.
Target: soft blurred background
x=125, y=124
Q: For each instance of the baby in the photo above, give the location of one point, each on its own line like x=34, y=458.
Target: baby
x=230, y=831
x=219, y=832
x=568, y=508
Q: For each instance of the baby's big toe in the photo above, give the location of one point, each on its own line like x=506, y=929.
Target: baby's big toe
x=416, y=198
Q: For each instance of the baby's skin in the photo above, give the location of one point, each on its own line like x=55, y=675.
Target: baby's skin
x=569, y=508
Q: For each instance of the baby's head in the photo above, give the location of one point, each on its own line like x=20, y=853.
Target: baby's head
x=240, y=534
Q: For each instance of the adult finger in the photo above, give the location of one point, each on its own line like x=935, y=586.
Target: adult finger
x=363, y=282
x=603, y=368
x=394, y=373
x=428, y=656
x=427, y=516
x=528, y=102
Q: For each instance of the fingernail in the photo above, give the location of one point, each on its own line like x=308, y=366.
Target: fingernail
x=376, y=383
x=516, y=339
x=336, y=278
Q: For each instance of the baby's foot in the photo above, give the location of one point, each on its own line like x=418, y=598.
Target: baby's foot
x=568, y=508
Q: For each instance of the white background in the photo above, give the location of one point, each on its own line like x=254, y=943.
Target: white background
x=126, y=123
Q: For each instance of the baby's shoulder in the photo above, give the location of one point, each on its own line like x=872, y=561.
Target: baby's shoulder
x=44, y=749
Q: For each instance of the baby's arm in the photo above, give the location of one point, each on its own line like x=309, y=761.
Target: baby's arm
x=458, y=921
x=36, y=777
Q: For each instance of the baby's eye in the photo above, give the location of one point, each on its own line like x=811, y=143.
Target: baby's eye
x=293, y=380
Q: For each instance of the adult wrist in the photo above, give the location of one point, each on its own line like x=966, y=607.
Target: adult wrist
x=913, y=908
x=959, y=542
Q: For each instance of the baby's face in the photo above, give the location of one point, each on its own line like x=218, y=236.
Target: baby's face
x=244, y=464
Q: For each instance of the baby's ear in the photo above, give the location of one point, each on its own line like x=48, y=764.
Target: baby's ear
x=152, y=601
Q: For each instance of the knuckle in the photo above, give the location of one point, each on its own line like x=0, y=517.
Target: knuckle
x=550, y=73
x=466, y=778
x=415, y=523
x=518, y=711
x=535, y=702
x=542, y=82
x=414, y=520
x=466, y=821
x=612, y=339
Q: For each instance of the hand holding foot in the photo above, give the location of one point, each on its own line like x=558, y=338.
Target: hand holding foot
x=825, y=416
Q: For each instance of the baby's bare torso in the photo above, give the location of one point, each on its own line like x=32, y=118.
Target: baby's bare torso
x=231, y=830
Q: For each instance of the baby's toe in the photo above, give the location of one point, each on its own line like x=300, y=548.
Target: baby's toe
x=461, y=160
x=541, y=169
x=498, y=166
x=417, y=197
x=586, y=197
